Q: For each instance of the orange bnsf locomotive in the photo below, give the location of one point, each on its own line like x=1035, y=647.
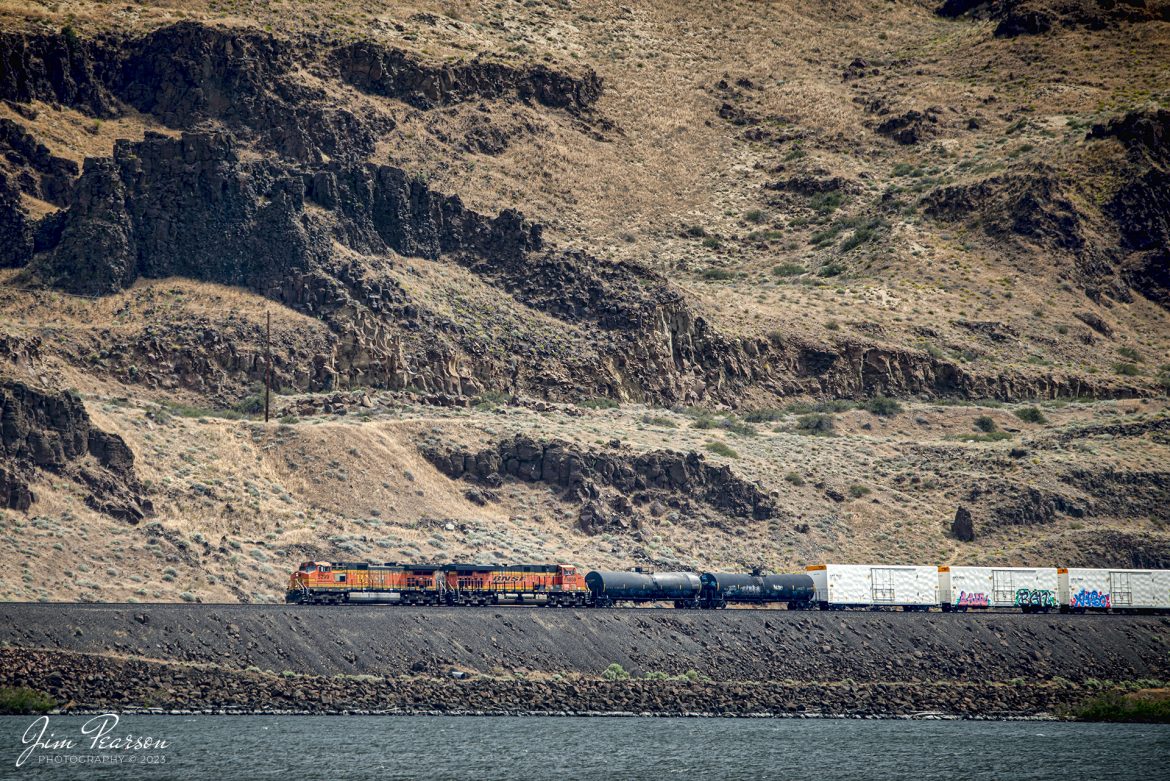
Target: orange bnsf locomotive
x=325, y=583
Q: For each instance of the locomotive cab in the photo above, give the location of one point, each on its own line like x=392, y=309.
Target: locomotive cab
x=309, y=575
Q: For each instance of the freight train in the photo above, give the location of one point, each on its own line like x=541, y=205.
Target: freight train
x=821, y=586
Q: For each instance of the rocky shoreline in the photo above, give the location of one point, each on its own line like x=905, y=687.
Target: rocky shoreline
x=90, y=682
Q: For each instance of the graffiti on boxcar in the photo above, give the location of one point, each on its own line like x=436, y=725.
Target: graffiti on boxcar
x=972, y=599
x=1039, y=597
x=1085, y=598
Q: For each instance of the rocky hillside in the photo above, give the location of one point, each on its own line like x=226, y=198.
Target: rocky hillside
x=718, y=309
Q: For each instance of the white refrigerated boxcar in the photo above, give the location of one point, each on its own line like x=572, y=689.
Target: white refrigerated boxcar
x=1028, y=588
x=874, y=585
x=1114, y=589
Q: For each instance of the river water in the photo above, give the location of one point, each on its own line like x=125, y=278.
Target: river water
x=225, y=748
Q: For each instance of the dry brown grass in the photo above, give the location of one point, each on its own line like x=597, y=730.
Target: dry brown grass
x=625, y=188
x=357, y=488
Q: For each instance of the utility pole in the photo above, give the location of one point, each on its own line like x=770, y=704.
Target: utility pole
x=268, y=368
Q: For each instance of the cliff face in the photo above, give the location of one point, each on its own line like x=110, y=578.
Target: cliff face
x=1141, y=205
x=252, y=82
x=311, y=224
x=52, y=432
x=381, y=70
x=615, y=490
x=1036, y=17
x=193, y=207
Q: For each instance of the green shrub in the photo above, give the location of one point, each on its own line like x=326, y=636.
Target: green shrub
x=718, y=274
x=738, y=427
x=22, y=700
x=788, y=270
x=1129, y=353
x=187, y=411
x=826, y=203
x=883, y=406
x=703, y=419
x=815, y=424
x=71, y=37
x=721, y=449
x=831, y=270
x=832, y=405
x=862, y=234
x=756, y=216
x=765, y=415
x=857, y=491
x=792, y=478
x=826, y=235
x=601, y=402
x=711, y=242
x=1118, y=708
x=1126, y=369
x=615, y=672
x=657, y=421
x=250, y=405
x=985, y=423
x=994, y=436
x=1031, y=415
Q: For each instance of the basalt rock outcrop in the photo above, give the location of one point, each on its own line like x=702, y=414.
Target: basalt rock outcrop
x=59, y=69
x=963, y=526
x=1031, y=205
x=1035, y=17
x=53, y=432
x=189, y=74
x=16, y=230
x=381, y=70
x=1124, y=493
x=33, y=169
x=192, y=207
x=1042, y=207
x=1141, y=206
x=614, y=487
x=1005, y=503
x=909, y=128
